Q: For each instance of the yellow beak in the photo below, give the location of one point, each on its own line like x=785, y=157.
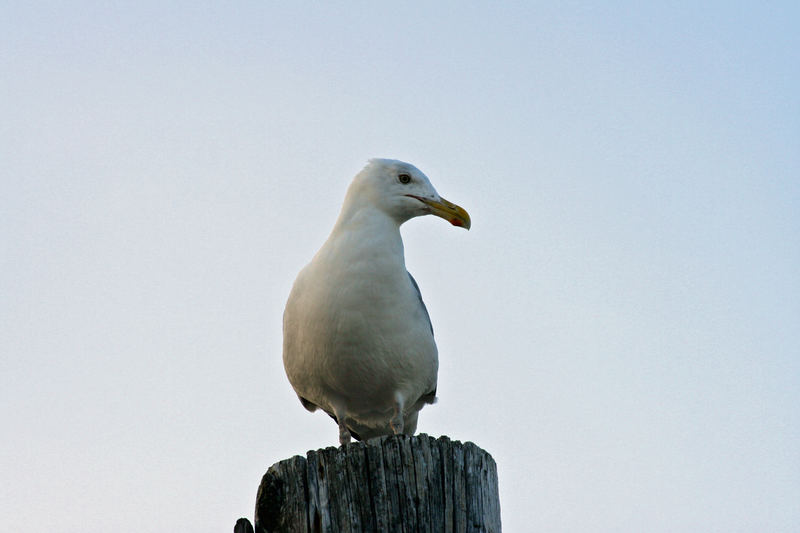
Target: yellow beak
x=449, y=211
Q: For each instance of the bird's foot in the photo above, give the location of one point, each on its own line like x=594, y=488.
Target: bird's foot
x=397, y=423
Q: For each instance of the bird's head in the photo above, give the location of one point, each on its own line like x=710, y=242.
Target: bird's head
x=403, y=192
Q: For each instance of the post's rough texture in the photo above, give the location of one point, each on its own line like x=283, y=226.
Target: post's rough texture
x=393, y=483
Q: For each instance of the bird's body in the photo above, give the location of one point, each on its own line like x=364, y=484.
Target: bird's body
x=358, y=342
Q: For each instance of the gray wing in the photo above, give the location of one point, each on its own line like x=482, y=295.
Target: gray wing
x=419, y=295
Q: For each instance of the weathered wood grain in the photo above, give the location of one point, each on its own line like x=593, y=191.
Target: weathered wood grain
x=395, y=484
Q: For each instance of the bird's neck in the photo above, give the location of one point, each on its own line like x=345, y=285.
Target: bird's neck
x=367, y=229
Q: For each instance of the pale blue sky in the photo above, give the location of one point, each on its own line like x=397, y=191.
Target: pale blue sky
x=619, y=328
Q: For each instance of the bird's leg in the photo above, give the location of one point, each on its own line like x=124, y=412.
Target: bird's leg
x=344, y=433
x=397, y=420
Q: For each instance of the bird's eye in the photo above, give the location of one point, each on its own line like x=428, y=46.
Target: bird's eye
x=404, y=178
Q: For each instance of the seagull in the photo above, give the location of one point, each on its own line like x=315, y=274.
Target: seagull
x=357, y=338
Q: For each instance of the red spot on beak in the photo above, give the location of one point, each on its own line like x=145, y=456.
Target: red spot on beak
x=456, y=222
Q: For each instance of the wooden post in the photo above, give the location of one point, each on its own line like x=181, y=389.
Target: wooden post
x=393, y=483
x=243, y=525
